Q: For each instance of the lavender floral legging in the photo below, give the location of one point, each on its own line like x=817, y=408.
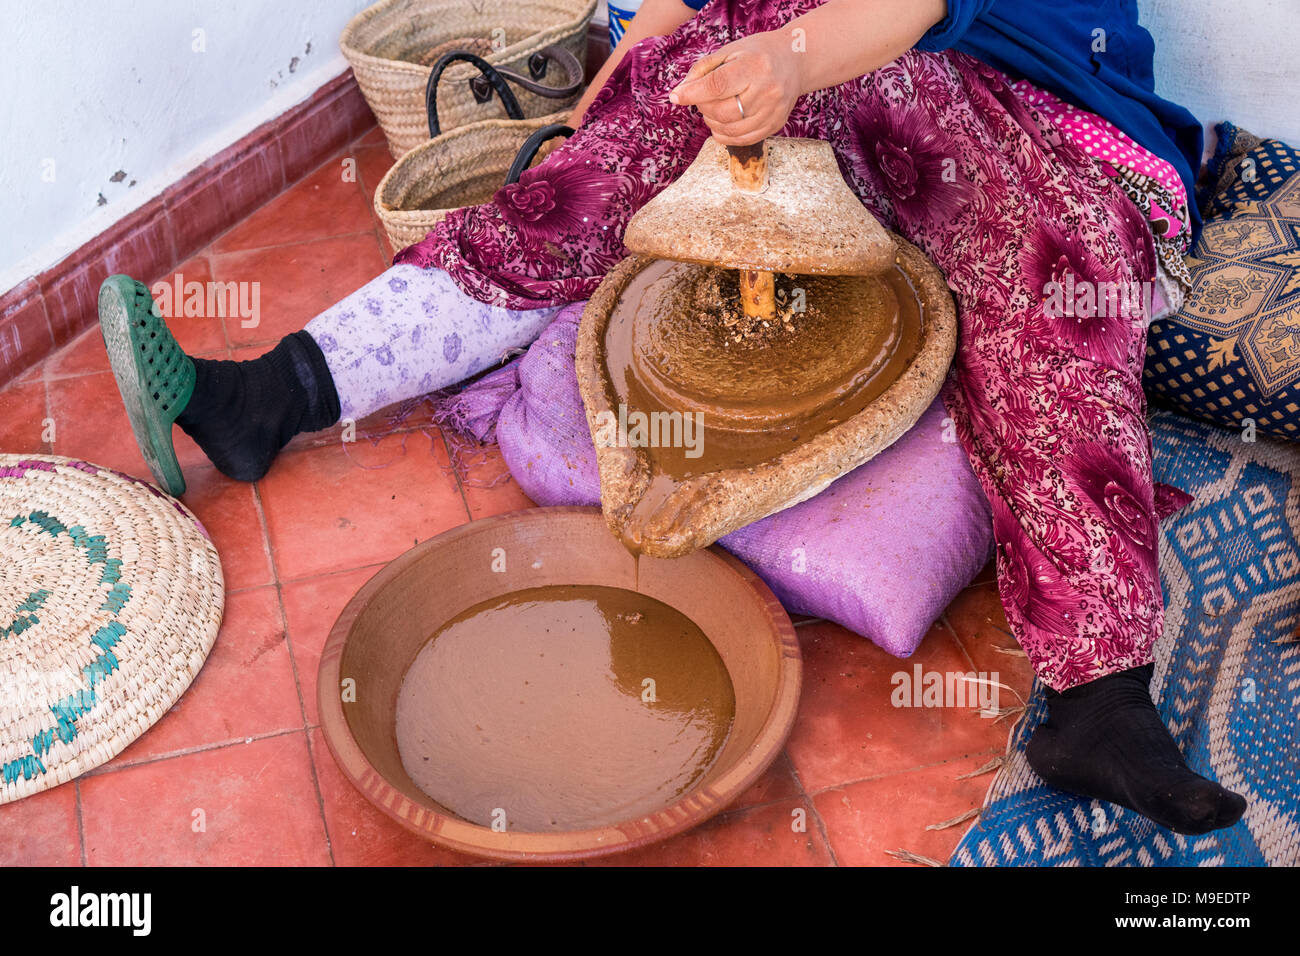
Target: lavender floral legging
x=1050, y=409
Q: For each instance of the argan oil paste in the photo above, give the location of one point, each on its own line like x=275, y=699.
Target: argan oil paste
x=563, y=708
x=717, y=392
x=760, y=391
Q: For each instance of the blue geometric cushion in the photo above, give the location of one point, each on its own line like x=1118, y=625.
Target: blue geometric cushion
x=1232, y=353
x=1227, y=674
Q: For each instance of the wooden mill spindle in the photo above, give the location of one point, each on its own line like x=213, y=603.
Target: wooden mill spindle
x=757, y=288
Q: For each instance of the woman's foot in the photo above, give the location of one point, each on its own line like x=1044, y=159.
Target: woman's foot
x=1106, y=740
x=242, y=413
x=239, y=413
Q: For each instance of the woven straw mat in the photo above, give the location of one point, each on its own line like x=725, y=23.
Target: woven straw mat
x=111, y=594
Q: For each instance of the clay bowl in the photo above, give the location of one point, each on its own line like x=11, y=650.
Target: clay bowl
x=383, y=627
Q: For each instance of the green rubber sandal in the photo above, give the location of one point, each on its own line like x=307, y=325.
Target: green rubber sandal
x=155, y=377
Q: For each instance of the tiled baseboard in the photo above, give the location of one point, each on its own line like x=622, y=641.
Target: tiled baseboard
x=49, y=310
x=46, y=312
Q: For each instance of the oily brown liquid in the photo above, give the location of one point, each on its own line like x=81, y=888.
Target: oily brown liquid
x=536, y=707
x=758, y=398
x=722, y=394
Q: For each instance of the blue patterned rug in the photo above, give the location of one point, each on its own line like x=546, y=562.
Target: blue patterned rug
x=1227, y=676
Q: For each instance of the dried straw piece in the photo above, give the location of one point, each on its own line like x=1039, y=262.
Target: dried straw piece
x=908, y=856
x=968, y=815
x=1003, y=713
x=989, y=767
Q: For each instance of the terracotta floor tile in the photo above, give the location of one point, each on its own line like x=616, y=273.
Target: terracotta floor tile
x=90, y=423
x=977, y=618
x=486, y=482
x=339, y=507
x=187, y=453
x=373, y=162
x=362, y=836
x=297, y=282
x=310, y=609
x=386, y=247
x=777, y=783
x=866, y=820
x=979, y=608
x=507, y=496
x=245, y=689
x=258, y=807
x=246, y=353
x=375, y=137
x=371, y=429
x=204, y=334
x=197, y=336
x=83, y=355
x=22, y=418
x=322, y=205
x=765, y=836
x=41, y=830
x=228, y=510
x=848, y=728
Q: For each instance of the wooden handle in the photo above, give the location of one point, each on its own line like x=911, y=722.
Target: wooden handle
x=749, y=172
x=749, y=166
x=758, y=294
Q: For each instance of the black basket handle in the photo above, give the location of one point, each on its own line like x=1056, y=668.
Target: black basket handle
x=528, y=151
x=538, y=64
x=493, y=79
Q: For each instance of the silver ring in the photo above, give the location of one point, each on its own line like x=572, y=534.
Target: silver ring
x=740, y=106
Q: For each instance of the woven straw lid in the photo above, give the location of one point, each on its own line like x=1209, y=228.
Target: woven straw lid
x=111, y=595
x=805, y=221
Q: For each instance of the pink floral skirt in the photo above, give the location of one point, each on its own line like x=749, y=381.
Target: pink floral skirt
x=1045, y=392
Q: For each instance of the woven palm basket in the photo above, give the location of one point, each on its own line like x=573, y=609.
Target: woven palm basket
x=386, y=43
x=111, y=595
x=463, y=167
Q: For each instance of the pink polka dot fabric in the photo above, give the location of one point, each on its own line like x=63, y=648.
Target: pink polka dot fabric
x=1102, y=140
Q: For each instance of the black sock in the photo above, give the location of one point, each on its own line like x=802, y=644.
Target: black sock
x=242, y=413
x=1105, y=739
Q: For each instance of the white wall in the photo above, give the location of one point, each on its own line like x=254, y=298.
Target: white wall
x=101, y=86
x=1237, y=60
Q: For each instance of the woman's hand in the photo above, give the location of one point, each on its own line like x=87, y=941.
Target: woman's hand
x=746, y=89
x=837, y=41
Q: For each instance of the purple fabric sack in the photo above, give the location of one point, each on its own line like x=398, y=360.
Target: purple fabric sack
x=882, y=551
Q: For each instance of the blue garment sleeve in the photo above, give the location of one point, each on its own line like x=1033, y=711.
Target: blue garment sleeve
x=948, y=31
x=695, y=4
